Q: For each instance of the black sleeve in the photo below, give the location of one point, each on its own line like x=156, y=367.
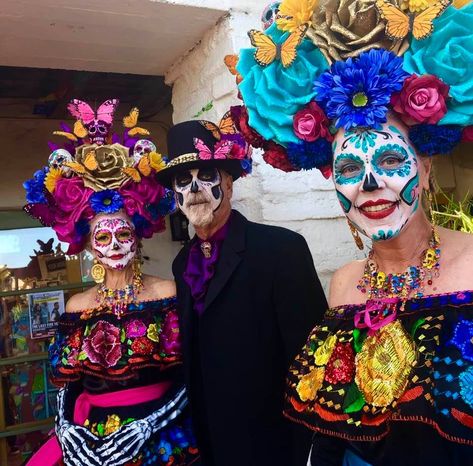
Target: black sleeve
x=299, y=298
x=327, y=451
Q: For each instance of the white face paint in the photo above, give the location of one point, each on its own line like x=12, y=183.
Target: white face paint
x=114, y=242
x=142, y=147
x=377, y=179
x=199, y=194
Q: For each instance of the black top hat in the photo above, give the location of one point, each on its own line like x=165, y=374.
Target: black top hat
x=183, y=155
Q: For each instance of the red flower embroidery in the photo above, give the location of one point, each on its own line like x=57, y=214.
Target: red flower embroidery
x=142, y=345
x=75, y=339
x=102, y=346
x=341, y=365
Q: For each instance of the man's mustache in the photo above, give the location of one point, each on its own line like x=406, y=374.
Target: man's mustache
x=197, y=199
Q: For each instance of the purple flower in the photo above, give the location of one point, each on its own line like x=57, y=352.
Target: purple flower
x=102, y=346
x=463, y=338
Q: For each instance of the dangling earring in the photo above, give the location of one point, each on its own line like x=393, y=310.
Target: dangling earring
x=97, y=272
x=356, y=236
x=137, y=263
x=431, y=210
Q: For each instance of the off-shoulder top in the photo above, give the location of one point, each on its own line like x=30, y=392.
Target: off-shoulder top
x=99, y=344
x=415, y=365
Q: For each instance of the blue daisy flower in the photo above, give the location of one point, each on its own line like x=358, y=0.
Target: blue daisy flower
x=107, y=201
x=35, y=187
x=357, y=92
x=164, y=450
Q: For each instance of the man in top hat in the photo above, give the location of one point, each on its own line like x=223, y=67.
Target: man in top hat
x=248, y=295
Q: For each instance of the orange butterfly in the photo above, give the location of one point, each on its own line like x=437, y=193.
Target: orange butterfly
x=398, y=23
x=231, y=61
x=225, y=126
x=267, y=50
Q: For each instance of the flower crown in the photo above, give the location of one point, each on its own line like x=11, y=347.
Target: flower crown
x=330, y=64
x=97, y=171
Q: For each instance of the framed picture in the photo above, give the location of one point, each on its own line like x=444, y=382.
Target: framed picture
x=44, y=311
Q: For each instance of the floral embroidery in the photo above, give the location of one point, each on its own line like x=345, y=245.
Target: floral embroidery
x=341, y=366
x=153, y=333
x=135, y=328
x=384, y=364
x=170, y=341
x=466, y=386
x=323, y=352
x=310, y=384
x=142, y=345
x=75, y=340
x=102, y=346
x=463, y=338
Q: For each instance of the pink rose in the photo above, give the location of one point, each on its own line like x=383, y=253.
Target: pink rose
x=170, y=339
x=102, y=346
x=311, y=123
x=422, y=99
x=72, y=203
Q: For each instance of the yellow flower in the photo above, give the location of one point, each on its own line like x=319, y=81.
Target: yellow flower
x=295, y=13
x=310, y=384
x=152, y=333
x=53, y=176
x=112, y=424
x=384, y=364
x=156, y=161
x=460, y=3
x=324, y=351
x=415, y=6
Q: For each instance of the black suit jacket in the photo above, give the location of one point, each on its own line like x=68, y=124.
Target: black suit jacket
x=260, y=306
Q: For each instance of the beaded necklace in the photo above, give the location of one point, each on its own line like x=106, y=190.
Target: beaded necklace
x=405, y=285
x=119, y=299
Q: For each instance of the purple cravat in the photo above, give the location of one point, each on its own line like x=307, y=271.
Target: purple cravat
x=200, y=269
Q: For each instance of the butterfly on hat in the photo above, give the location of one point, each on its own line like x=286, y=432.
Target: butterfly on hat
x=399, y=24
x=267, y=50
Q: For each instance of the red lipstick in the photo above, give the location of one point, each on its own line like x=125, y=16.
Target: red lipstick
x=376, y=210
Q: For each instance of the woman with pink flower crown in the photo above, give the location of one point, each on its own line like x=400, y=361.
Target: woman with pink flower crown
x=367, y=91
x=117, y=352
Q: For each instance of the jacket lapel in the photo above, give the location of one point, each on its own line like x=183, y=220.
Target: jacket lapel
x=229, y=258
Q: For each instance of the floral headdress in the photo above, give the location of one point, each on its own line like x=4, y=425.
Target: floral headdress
x=329, y=64
x=97, y=171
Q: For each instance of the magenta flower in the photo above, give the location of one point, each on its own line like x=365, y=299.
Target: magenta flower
x=102, y=346
x=170, y=337
x=135, y=328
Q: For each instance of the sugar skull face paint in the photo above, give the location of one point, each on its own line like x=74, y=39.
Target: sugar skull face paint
x=114, y=242
x=199, y=194
x=377, y=179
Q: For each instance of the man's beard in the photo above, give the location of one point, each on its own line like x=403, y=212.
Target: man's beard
x=199, y=215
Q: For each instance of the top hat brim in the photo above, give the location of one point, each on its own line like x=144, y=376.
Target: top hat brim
x=231, y=166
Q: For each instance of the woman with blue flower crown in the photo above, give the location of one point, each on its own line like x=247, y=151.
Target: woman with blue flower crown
x=367, y=91
x=116, y=355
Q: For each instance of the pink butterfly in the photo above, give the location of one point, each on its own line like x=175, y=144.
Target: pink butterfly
x=84, y=112
x=41, y=212
x=221, y=149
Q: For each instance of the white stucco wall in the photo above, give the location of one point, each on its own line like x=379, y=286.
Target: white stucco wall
x=304, y=202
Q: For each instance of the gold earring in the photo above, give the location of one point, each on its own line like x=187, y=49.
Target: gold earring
x=431, y=210
x=97, y=272
x=137, y=263
x=356, y=236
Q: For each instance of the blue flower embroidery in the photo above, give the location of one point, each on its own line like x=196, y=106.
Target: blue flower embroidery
x=463, y=338
x=466, y=386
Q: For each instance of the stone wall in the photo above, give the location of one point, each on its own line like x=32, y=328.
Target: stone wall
x=304, y=202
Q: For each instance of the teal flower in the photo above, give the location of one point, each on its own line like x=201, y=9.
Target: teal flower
x=466, y=386
x=448, y=54
x=274, y=94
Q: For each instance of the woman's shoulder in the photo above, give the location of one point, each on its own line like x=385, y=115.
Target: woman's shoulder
x=157, y=288
x=344, y=281
x=81, y=301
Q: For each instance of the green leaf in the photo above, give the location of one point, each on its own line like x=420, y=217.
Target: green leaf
x=359, y=338
x=64, y=361
x=208, y=106
x=130, y=352
x=82, y=356
x=67, y=350
x=354, y=400
x=416, y=325
x=122, y=336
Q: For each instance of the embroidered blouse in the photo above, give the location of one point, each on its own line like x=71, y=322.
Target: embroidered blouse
x=97, y=343
x=354, y=382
